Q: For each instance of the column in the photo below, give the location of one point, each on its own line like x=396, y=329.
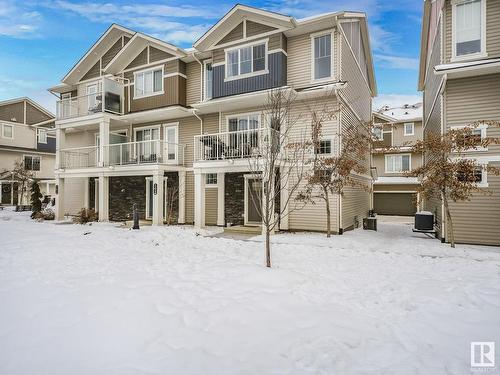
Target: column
x=284, y=197
x=86, y=193
x=103, y=142
x=158, y=198
x=1, y=192
x=182, y=197
x=220, y=199
x=60, y=141
x=11, y=193
x=60, y=198
x=199, y=200
x=103, y=198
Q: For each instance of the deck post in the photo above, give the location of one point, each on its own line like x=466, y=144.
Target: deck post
x=60, y=198
x=199, y=200
x=182, y=197
x=158, y=195
x=220, y=199
x=103, y=198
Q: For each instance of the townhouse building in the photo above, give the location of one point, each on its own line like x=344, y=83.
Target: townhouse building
x=142, y=121
x=27, y=136
x=396, y=129
x=460, y=79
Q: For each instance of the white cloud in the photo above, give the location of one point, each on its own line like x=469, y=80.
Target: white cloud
x=396, y=62
x=17, y=21
x=395, y=100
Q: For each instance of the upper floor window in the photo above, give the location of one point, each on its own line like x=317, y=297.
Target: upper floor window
x=378, y=133
x=397, y=163
x=7, y=131
x=148, y=82
x=243, y=122
x=324, y=147
x=42, y=136
x=409, y=128
x=322, y=56
x=469, y=27
x=31, y=163
x=209, y=75
x=247, y=60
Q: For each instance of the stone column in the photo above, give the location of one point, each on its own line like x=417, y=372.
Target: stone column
x=182, y=197
x=199, y=199
x=60, y=199
x=103, y=198
x=220, y=199
x=158, y=201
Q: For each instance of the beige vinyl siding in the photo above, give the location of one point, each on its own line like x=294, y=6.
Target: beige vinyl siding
x=233, y=35
x=434, y=123
x=24, y=136
x=12, y=111
x=112, y=52
x=478, y=220
x=492, y=29
x=211, y=206
x=155, y=54
x=378, y=161
x=356, y=92
x=277, y=41
x=396, y=187
x=355, y=205
x=193, y=84
x=141, y=59
x=432, y=81
x=399, y=139
x=218, y=56
x=74, y=192
x=47, y=162
x=81, y=138
x=34, y=115
x=174, y=94
x=254, y=28
x=93, y=72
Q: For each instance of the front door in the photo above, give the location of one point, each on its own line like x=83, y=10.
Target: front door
x=149, y=198
x=253, y=200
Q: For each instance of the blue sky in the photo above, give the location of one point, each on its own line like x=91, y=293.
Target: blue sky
x=41, y=40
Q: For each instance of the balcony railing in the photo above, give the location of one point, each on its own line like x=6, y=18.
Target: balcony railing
x=128, y=153
x=228, y=145
x=109, y=99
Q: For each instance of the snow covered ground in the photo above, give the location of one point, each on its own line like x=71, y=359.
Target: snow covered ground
x=105, y=300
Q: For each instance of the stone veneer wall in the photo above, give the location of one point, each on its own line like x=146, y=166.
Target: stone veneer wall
x=234, y=198
x=92, y=193
x=124, y=191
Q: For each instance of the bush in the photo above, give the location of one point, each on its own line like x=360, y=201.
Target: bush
x=85, y=216
x=46, y=214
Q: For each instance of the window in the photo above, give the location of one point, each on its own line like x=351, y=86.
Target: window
x=324, y=147
x=244, y=61
x=92, y=98
x=209, y=75
x=243, y=122
x=409, y=128
x=32, y=163
x=477, y=134
x=322, y=53
x=397, y=163
x=8, y=131
x=42, y=136
x=211, y=179
x=148, y=82
x=146, y=149
x=378, y=133
x=468, y=17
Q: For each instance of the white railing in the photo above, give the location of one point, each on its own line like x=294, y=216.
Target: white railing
x=145, y=152
x=228, y=145
x=79, y=157
x=109, y=99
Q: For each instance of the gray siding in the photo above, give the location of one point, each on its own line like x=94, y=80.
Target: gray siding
x=50, y=146
x=275, y=78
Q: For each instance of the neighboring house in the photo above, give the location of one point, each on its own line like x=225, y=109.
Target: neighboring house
x=396, y=130
x=143, y=121
x=460, y=78
x=26, y=135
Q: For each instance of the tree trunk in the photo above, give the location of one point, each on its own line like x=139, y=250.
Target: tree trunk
x=268, y=247
x=328, y=215
x=448, y=217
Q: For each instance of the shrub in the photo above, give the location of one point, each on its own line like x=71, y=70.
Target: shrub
x=85, y=216
x=46, y=214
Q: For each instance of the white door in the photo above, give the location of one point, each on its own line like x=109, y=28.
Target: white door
x=253, y=200
x=92, y=97
x=171, y=136
x=149, y=198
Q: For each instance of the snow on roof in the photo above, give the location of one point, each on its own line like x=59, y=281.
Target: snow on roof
x=382, y=180
x=404, y=112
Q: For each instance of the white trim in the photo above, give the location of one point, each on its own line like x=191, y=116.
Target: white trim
x=398, y=155
x=412, y=129
x=3, y=131
x=211, y=185
x=174, y=74
x=152, y=70
x=39, y=162
x=276, y=50
x=165, y=198
x=245, y=195
x=313, y=36
x=204, y=79
x=477, y=55
x=239, y=48
x=483, y=128
x=38, y=131
x=172, y=125
x=244, y=114
x=146, y=66
x=332, y=151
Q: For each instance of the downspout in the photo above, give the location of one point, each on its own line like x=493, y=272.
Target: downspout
x=199, y=118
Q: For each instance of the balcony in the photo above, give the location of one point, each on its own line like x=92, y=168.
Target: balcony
x=109, y=98
x=123, y=154
x=239, y=144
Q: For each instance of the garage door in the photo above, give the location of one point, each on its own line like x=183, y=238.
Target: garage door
x=402, y=204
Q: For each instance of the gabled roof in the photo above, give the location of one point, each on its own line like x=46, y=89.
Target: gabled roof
x=234, y=17
x=30, y=101
x=135, y=46
x=95, y=52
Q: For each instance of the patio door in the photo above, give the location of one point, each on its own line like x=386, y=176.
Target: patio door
x=253, y=200
x=146, y=149
x=149, y=198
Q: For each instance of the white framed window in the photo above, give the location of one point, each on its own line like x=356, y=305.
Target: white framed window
x=146, y=149
x=378, y=133
x=468, y=28
x=409, y=128
x=208, y=80
x=93, y=94
x=211, y=180
x=478, y=132
x=32, y=162
x=7, y=131
x=148, y=82
x=247, y=60
x=397, y=163
x=246, y=121
x=171, y=136
x=480, y=176
x=325, y=147
x=42, y=135
x=322, y=56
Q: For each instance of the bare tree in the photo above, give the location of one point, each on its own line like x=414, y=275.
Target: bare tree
x=330, y=175
x=173, y=196
x=22, y=177
x=279, y=159
x=448, y=173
